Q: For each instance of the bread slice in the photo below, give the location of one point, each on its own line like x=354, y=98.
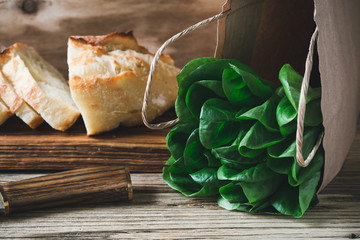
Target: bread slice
x=5, y=113
x=40, y=85
x=108, y=76
x=17, y=105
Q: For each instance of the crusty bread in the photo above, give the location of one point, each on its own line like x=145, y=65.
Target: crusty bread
x=40, y=85
x=5, y=113
x=108, y=76
x=17, y=105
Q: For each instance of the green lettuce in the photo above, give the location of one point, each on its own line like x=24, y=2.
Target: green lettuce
x=236, y=138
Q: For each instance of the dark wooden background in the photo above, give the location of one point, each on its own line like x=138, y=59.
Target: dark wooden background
x=47, y=24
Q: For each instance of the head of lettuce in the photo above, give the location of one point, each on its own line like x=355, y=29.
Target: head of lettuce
x=236, y=138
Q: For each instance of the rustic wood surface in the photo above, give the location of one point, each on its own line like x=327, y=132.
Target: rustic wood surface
x=157, y=212
x=47, y=24
x=138, y=148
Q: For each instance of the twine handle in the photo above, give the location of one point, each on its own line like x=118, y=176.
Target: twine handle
x=302, y=108
x=153, y=68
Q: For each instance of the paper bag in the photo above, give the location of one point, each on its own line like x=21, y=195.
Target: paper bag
x=269, y=33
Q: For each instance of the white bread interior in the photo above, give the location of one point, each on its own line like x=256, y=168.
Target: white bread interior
x=108, y=76
x=17, y=105
x=40, y=85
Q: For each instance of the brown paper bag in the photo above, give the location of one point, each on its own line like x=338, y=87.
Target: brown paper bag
x=269, y=33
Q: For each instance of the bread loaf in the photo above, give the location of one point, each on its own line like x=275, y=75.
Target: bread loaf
x=40, y=85
x=108, y=76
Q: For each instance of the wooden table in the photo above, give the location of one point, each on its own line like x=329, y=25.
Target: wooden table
x=158, y=212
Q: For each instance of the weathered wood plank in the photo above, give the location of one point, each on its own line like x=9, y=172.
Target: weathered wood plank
x=153, y=22
x=172, y=216
x=138, y=148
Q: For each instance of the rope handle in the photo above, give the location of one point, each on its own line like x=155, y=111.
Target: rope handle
x=153, y=68
x=302, y=108
x=302, y=101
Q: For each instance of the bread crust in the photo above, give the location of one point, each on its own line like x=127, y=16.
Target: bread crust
x=108, y=75
x=113, y=41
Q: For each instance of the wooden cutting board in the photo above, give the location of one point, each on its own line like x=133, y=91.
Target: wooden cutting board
x=23, y=148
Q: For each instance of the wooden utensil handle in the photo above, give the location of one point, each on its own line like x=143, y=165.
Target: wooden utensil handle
x=88, y=185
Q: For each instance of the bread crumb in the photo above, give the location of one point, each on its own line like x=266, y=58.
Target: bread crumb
x=159, y=100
